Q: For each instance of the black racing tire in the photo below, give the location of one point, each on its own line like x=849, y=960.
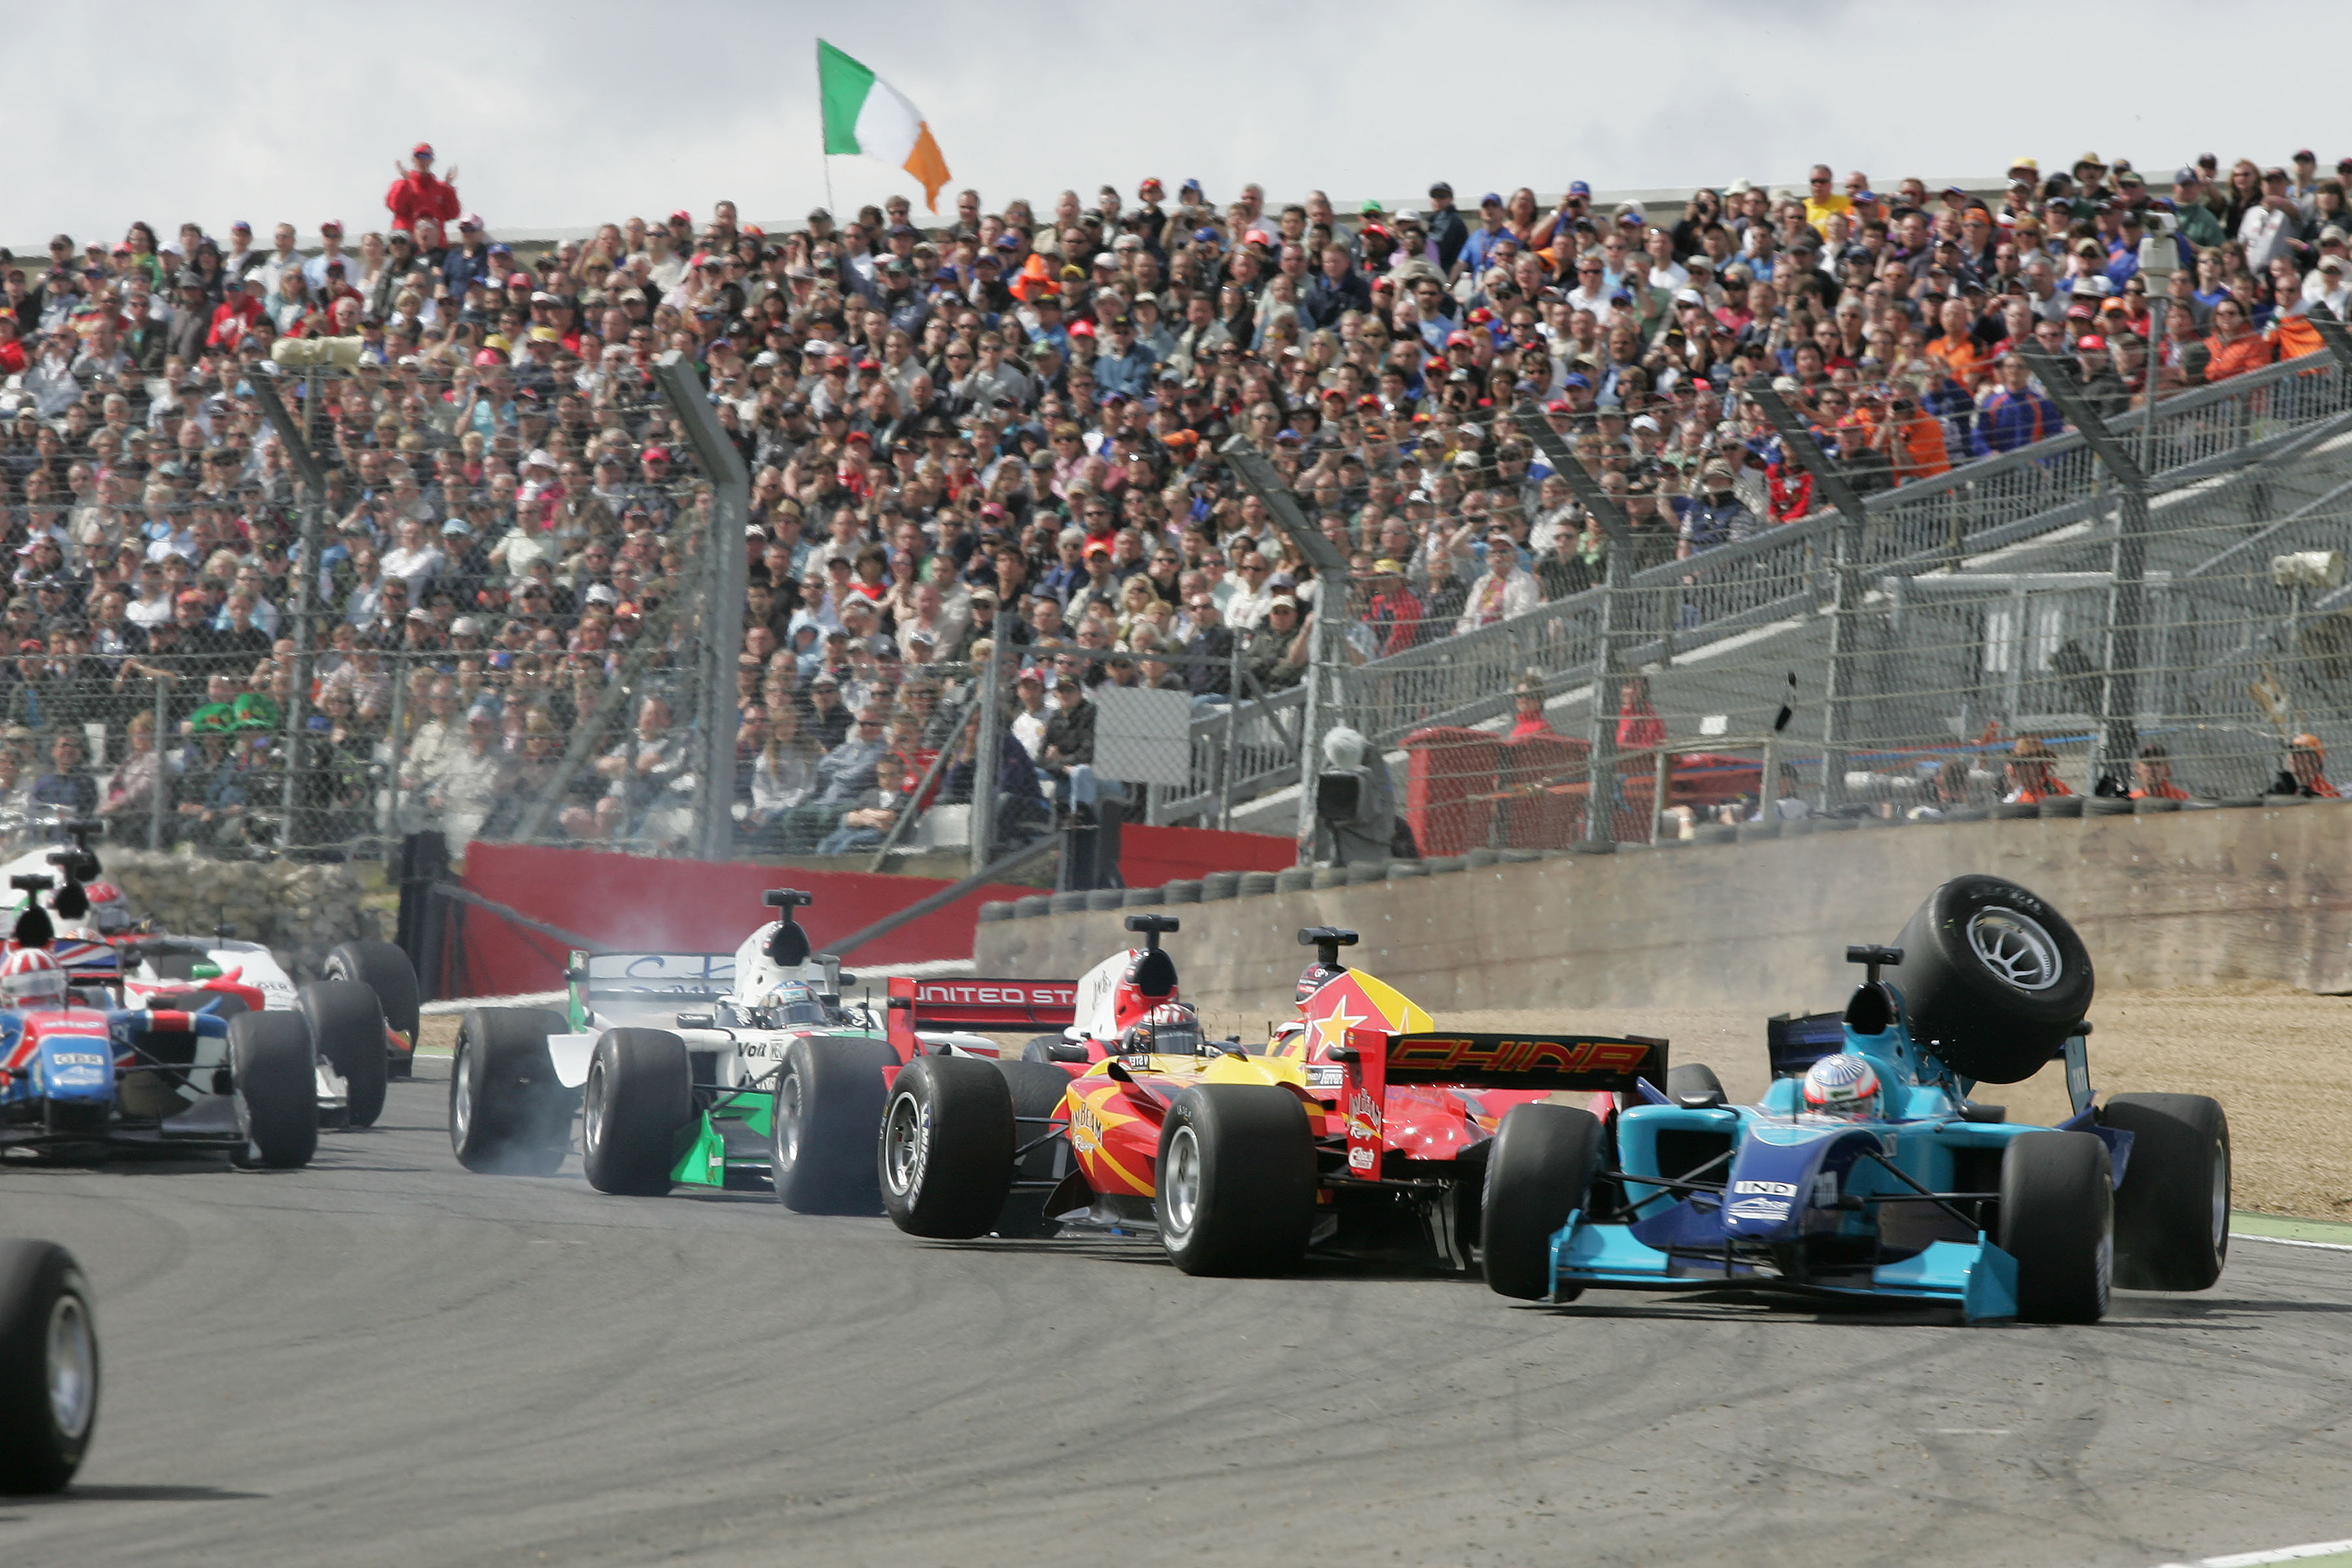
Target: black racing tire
x=1696, y=1079
x=49, y=1367
x=384, y=968
x=347, y=1026
x=638, y=1099
x=829, y=1095
x=2057, y=1220
x=1236, y=1183
x=946, y=1149
x=2172, y=1211
x=509, y=1113
x=1040, y=1047
x=1038, y=1089
x=1993, y=978
x=274, y=1075
x=1538, y=1170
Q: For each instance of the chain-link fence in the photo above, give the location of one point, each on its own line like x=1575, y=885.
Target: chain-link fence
x=2014, y=636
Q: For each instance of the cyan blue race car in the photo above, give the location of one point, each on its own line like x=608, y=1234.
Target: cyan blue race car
x=1867, y=1169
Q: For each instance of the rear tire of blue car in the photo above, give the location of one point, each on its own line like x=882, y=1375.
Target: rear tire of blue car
x=829, y=1100
x=1236, y=1183
x=638, y=1101
x=509, y=1113
x=346, y=1027
x=49, y=1367
x=946, y=1150
x=1538, y=1169
x=2172, y=1212
x=2057, y=1220
x=274, y=1076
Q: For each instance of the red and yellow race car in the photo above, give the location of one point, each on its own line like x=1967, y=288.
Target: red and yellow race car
x=1360, y=1127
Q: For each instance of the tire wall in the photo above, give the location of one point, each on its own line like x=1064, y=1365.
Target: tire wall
x=2252, y=897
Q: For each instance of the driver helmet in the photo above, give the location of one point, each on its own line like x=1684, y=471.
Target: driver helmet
x=1170, y=1029
x=1314, y=977
x=794, y=1002
x=1844, y=1088
x=31, y=974
x=109, y=911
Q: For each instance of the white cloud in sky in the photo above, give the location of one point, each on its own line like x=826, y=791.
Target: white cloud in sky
x=565, y=117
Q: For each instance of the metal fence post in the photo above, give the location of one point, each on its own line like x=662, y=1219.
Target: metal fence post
x=2126, y=596
x=396, y=823
x=1233, y=717
x=1323, y=656
x=1846, y=592
x=990, y=747
x=157, y=807
x=722, y=619
x=313, y=476
x=1601, y=735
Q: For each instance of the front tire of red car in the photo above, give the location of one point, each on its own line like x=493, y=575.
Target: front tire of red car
x=1234, y=1193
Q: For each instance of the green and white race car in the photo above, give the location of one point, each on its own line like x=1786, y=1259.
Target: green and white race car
x=705, y=1069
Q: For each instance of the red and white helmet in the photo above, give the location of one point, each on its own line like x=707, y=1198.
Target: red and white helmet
x=1843, y=1086
x=31, y=974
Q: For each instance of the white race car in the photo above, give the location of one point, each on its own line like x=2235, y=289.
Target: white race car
x=715, y=1070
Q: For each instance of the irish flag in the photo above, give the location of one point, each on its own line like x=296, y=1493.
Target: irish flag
x=867, y=116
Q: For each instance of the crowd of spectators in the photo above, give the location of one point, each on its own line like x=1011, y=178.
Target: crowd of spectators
x=994, y=425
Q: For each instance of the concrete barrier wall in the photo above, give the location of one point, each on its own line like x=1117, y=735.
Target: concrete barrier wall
x=2247, y=898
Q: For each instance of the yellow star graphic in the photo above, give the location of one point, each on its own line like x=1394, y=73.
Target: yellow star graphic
x=1331, y=1029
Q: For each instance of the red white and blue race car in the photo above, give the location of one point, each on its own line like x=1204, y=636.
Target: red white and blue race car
x=362, y=1014
x=82, y=1078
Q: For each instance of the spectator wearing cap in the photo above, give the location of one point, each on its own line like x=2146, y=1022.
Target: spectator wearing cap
x=2200, y=226
x=2013, y=414
x=417, y=193
x=1716, y=515
x=2273, y=225
x=1447, y=233
x=2305, y=772
x=1505, y=591
x=1124, y=367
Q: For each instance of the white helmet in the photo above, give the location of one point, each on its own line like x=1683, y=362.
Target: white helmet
x=31, y=974
x=1844, y=1087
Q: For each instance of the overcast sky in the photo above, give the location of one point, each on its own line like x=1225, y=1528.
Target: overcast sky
x=562, y=117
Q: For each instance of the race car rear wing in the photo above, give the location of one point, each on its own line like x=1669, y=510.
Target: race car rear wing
x=1573, y=1062
x=1374, y=1058
x=646, y=986
x=984, y=1006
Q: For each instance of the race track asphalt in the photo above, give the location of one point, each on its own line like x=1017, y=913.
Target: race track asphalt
x=385, y=1360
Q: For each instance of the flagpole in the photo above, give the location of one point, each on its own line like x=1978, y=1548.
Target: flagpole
x=824, y=159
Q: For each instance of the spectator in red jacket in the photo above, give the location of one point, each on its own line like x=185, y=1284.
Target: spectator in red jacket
x=421, y=193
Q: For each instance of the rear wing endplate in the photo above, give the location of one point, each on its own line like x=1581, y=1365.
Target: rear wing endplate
x=987, y=1006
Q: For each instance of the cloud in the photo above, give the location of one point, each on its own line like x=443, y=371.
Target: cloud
x=562, y=121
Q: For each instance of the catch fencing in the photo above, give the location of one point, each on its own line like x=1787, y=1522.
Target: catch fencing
x=2196, y=604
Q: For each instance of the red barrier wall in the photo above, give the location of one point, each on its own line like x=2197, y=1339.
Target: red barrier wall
x=634, y=903
x=1153, y=856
